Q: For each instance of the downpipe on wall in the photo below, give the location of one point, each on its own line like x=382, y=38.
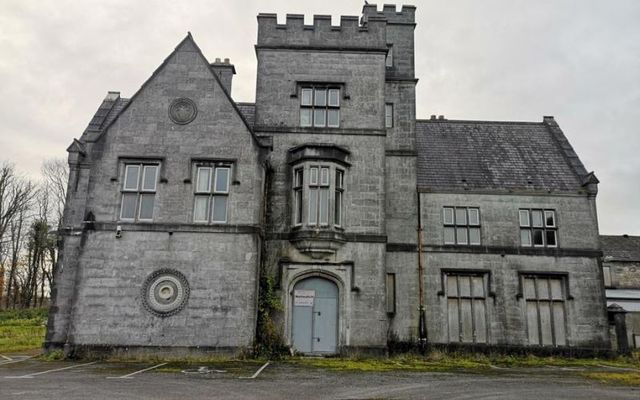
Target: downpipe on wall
x=422, y=324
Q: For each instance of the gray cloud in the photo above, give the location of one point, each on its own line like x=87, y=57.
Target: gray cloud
x=506, y=60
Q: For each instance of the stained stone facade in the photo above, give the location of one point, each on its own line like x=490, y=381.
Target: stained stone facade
x=180, y=196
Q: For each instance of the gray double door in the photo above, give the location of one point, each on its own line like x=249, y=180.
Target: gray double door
x=315, y=316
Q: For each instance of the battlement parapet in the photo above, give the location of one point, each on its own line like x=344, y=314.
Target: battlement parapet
x=350, y=34
x=406, y=15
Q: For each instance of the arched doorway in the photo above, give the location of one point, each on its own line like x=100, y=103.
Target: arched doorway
x=314, y=329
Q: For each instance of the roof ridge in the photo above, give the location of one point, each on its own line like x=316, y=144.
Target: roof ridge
x=478, y=121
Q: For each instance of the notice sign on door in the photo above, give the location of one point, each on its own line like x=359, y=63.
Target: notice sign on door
x=303, y=298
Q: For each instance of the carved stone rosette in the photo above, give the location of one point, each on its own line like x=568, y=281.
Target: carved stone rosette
x=165, y=292
x=182, y=111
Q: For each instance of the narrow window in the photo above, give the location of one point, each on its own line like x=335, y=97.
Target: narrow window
x=338, y=197
x=298, y=175
x=388, y=115
x=313, y=196
x=606, y=272
x=138, y=192
x=211, y=193
x=323, y=204
x=390, y=286
x=462, y=225
x=538, y=228
x=389, y=60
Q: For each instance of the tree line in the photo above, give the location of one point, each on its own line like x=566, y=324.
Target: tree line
x=30, y=217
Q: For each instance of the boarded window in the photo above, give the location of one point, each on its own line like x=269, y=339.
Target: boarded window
x=391, y=293
x=545, y=309
x=466, y=307
x=606, y=272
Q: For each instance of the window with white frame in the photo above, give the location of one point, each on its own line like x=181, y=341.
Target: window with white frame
x=211, y=193
x=388, y=115
x=320, y=106
x=318, y=195
x=538, y=228
x=139, y=191
x=461, y=225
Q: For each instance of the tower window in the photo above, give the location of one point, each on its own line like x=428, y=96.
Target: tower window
x=320, y=107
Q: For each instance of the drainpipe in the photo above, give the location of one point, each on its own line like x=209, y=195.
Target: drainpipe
x=422, y=325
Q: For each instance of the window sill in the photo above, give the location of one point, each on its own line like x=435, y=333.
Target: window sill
x=317, y=242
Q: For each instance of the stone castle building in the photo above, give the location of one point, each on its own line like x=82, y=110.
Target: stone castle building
x=373, y=224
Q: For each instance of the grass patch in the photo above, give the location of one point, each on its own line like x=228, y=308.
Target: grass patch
x=437, y=361
x=628, y=378
x=431, y=363
x=534, y=361
x=22, y=330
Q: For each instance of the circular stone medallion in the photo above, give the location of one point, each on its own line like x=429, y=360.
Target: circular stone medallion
x=182, y=111
x=165, y=292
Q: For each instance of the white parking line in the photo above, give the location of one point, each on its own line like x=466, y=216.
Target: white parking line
x=135, y=373
x=16, y=361
x=254, y=376
x=28, y=376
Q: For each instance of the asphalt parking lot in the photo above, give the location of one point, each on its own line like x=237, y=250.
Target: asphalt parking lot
x=23, y=378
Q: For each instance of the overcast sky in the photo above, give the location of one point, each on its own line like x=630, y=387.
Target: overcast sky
x=490, y=60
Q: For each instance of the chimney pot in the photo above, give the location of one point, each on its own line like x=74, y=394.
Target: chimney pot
x=217, y=60
x=226, y=61
x=440, y=116
x=433, y=116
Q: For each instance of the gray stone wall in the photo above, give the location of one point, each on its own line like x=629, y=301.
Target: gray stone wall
x=221, y=272
x=97, y=299
x=576, y=221
x=624, y=275
x=360, y=73
x=586, y=322
x=501, y=257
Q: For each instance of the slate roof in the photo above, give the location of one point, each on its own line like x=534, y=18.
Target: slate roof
x=497, y=156
x=620, y=248
x=248, y=110
x=111, y=106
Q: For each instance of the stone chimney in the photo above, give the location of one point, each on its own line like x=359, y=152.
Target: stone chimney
x=225, y=72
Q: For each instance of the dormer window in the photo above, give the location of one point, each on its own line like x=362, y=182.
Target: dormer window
x=320, y=106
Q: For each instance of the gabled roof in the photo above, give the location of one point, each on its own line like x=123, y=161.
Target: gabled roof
x=620, y=248
x=104, y=119
x=497, y=156
x=110, y=108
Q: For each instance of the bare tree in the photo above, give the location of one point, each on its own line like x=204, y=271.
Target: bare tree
x=15, y=195
x=56, y=175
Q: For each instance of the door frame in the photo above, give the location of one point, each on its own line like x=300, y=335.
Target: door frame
x=341, y=334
